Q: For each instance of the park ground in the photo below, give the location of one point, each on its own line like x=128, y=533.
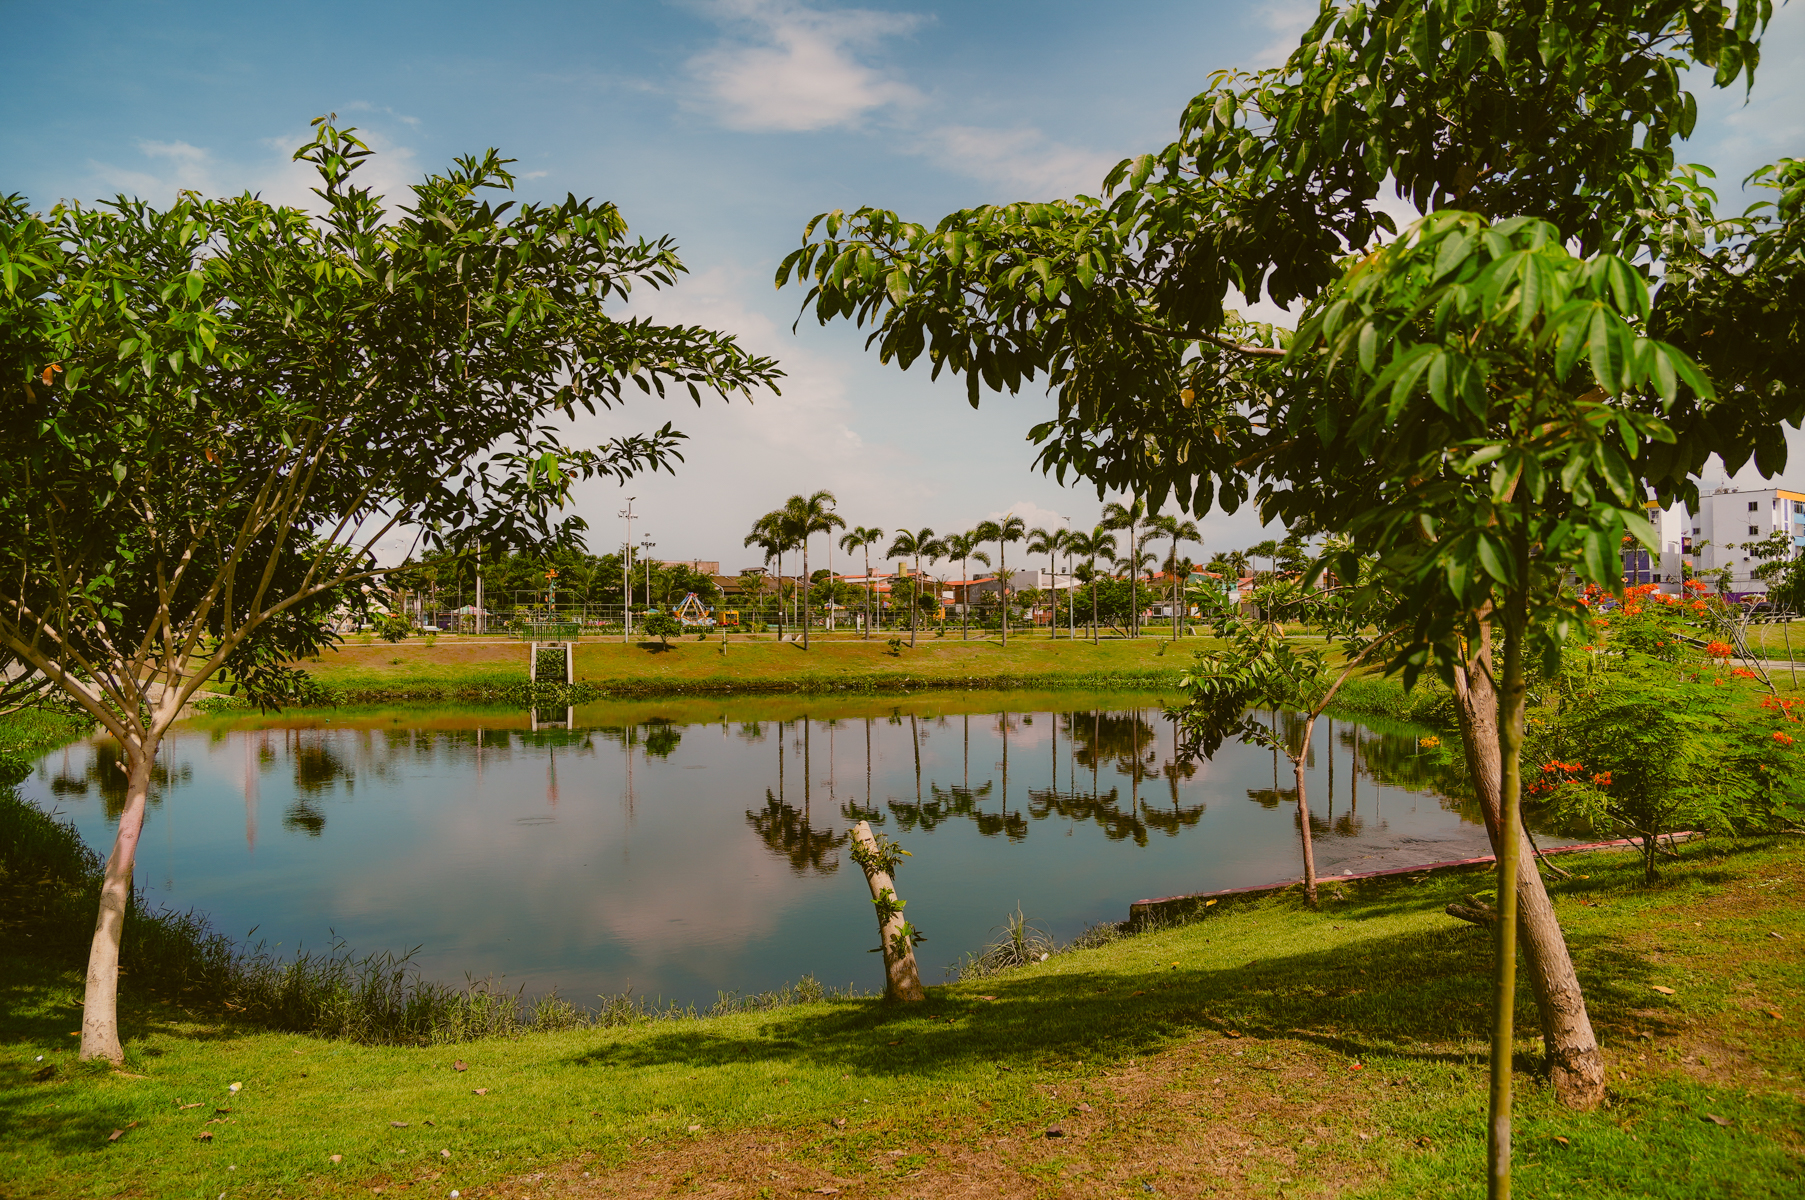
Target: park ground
x=1263, y=1051
x=446, y=667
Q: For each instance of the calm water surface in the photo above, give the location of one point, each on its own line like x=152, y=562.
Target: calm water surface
x=685, y=847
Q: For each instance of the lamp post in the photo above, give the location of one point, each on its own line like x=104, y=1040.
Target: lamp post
x=626, y=575
x=647, y=544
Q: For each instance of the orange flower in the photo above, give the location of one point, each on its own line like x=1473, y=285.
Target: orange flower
x=1782, y=738
x=1602, y=779
x=1718, y=650
x=1742, y=672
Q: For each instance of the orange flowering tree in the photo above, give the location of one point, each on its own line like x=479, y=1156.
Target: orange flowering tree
x=1646, y=744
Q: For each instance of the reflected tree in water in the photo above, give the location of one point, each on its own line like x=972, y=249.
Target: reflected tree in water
x=102, y=774
x=786, y=832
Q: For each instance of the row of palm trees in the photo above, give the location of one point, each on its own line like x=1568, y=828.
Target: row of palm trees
x=789, y=528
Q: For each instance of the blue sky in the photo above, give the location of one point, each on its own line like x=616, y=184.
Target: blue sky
x=727, y=124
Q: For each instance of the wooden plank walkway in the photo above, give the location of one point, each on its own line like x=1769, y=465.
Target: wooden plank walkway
x=1141, y=909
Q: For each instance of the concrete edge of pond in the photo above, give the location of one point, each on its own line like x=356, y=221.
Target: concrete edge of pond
x=1140, y=910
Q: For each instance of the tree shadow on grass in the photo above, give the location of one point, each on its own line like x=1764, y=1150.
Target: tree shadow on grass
x=1420, y=995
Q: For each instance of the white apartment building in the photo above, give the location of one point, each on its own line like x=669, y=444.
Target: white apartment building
x=1728, y=518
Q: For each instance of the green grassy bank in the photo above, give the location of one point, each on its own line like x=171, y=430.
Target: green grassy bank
x=450, y=669
x=1265, y=1050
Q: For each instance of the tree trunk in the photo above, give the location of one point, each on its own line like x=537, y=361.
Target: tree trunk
x=100, y=999
x=805, y=597
x=1303, y=814
x=901, y=979
x=914, y=600
x=1003, y=586
x=1513, y=699
x=1574, y=1064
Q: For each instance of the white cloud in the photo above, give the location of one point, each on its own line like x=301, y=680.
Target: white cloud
x=797, y=68
x=1286, y=20
x=170, y=167
x=1033, y=515
x=1024, y=159
x=744, y=458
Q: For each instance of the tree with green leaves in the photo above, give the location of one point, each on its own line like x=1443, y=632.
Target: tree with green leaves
x=917, y=545
x=1567, y=114
x=1099, y=543
x=1049, y=542
x=863, y=537
x=801, y=518
x=771, y=536
x=1129, y=517
x=1495, y=391
x=1010, y=529
x=220, y=408
x=964, y=547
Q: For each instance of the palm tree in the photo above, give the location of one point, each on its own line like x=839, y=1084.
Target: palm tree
x=964, y=547
x=1098, y=543
x=1129, y=516
x=1010, y=529
x=1049, y=543
x=1179, y=530
x=917, y=545
x=768, y=535
x=863, y=538
x=802, y=516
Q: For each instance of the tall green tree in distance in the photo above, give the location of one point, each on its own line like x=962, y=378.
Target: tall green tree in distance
x=802, y=517
x=964, y=547
x=217, y=410
x=863, y=537
x=1010, y=529
x=917, y=545
x=1049, y=542
x=1130, y=517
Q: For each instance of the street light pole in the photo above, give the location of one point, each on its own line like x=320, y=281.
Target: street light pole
x=626, y=576
x=647, y=545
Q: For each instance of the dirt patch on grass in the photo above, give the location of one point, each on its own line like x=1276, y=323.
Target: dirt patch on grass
x=1216, y=1115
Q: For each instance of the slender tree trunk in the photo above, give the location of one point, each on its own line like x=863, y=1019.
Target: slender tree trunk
x=1513, y=698
x=805, y=595
x=965, y=601
x=100, y=999
x=1003, y=586
x=869, y=590
x=1303, y=814
x=914, y=601
x=1096, y=636
x=1574, y=1064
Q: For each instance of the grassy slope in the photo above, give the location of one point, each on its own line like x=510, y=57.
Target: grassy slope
x=413, y=667
x=1357, y=1070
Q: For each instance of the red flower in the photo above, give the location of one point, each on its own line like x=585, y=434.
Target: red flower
x=1718, y=650
x=1602, y=779
x=1742, y=672
x=1782, y=738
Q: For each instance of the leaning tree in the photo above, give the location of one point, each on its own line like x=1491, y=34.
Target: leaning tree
x=223, y=407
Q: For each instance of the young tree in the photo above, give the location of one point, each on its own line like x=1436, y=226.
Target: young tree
x=1566, y=113
x=1496, y=391
x=220, y=408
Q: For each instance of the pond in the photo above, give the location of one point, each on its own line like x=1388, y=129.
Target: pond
x=680, y=848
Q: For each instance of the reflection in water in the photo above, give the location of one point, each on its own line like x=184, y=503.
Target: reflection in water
x=678, y=848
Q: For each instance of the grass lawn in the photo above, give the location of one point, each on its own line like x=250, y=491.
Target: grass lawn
x=448, y=666
x=1263, y=1051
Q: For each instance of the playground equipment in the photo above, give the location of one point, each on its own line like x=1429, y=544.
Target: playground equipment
x=693, y=613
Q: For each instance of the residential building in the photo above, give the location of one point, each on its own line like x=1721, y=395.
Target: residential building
x=1729, y=518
